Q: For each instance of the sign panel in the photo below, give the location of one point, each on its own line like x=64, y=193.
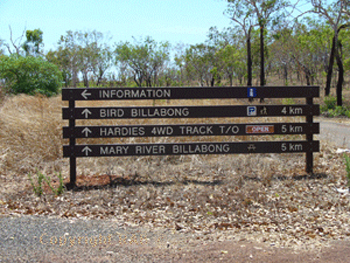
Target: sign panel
x=124, y=131
x=188, y=93
x=189, y=148
x=189, y=112
x=251, y=92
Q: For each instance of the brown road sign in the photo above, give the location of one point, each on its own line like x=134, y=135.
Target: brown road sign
x=233, y=129
x=189, y=111
x=189, y=148
x=189, y=93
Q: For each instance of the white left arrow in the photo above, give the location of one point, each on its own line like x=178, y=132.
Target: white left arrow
x=86, y=131
x=86, y=112
x=85, y=94
x=86, y=150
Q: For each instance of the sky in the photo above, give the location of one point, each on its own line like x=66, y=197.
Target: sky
x=176, y=21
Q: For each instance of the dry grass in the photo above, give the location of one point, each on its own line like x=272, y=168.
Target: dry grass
x=30, y=135
x=267, y=197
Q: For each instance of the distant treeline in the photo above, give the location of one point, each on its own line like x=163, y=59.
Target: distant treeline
x=266, y=41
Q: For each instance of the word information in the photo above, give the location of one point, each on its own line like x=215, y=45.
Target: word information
x=189, y=130
x=188, y=93
x=189, y=148
x=189, y=112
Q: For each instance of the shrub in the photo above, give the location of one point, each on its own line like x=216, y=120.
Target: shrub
x=330, y=103
x=38, y=189
x=331, y=109
x=29, y=75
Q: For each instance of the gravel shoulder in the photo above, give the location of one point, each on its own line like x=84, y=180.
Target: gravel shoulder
x=49, y=239
x=335, y=131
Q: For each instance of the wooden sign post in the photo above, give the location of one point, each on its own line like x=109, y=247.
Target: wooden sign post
x=73, y=113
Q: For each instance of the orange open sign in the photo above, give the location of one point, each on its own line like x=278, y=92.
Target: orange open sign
x=260, y=129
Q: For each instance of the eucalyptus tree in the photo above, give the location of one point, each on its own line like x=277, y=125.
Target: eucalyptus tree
x=200, y=63
x=251, y=13
x=103, y=62
x=240, y=14
x=229, y=53
x=68, y=48
x=93, y=55
x=282, y=50
x=180, y=61
x=85, y=52
x=61, y=58
x=315, y=40
x=145, y=59
x=337, y=14
x=16, y=47
x=34, y=43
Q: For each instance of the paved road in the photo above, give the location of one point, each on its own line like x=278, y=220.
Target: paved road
x=335, y=131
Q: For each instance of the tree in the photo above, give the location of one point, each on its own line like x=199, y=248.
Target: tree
x=61, y=58
x=228, y=58
x=145, y=59
x=94, y=56
x=200, y=63
x=34, y=42
x=249, y=13
x=68, y=48
x=16, y=44
x=29, y=75
x=179, y=60
x=309, y=47
x=240, y=14
x=336, y=13
x=103, y=61
x=85, y=52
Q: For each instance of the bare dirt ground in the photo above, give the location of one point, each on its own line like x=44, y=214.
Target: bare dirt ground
x=251, y=208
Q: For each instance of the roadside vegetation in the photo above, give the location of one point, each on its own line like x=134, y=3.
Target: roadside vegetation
x=329, y=108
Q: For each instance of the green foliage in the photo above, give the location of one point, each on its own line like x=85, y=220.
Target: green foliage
x=288, y=101
x=38, y=189
x=33, y=42
x=60, y=188
x=29, y=75
x=347, y=168
x=339, y=111
x=330, y=103
x=331, y=109
x=145, y=59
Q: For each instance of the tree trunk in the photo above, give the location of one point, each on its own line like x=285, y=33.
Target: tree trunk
x=262, y=57
x=285, y=69
x=340, y=76
x=334, y=53
x=249, y=60
x=330, y=68
x=74, y=77
x=212, y=82
x=85, y=79
x=231, y=80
